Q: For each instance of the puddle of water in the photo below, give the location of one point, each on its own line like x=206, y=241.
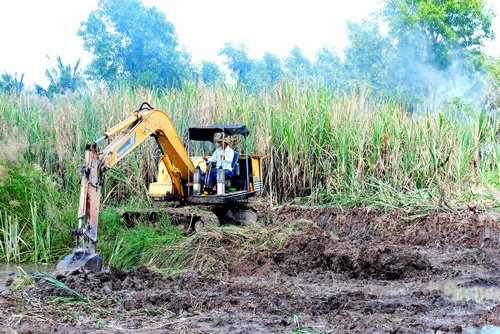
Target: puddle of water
x=394, y=289
x=6, y=269
x=488, y=329
x=475, y=293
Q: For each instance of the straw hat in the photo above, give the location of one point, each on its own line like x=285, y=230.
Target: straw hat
x=226, y=140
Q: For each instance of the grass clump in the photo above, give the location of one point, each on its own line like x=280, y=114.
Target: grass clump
x=214, y=246
x=32, y=215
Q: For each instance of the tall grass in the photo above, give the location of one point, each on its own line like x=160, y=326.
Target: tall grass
x=11, y=241
x=131, y=246
x=321, y=147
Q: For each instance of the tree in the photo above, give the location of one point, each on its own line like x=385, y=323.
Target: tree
x=61, y=78
x=237, y=60
x=9, y=83
x=492, y=98
x=131, y=41
x=273, y=68
x=258, y=79
x=437, y=30
x=436, y=47
x=297, y=64
x=367, y=53
x=210, y=72
x=328, y=68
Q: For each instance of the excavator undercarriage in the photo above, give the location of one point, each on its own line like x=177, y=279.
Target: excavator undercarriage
x=193, y=218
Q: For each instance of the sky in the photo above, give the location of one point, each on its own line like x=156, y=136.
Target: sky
x=31, y=30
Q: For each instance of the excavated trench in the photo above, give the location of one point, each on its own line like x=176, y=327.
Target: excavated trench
x=356, y=271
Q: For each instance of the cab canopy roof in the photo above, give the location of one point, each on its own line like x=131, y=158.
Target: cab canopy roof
x=207, y=133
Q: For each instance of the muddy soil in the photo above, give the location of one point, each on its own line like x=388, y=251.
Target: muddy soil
x=353, y=271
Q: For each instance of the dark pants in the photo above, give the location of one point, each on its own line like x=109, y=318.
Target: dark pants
x=211, y=180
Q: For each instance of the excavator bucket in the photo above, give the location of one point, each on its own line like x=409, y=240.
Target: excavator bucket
x=92, y=262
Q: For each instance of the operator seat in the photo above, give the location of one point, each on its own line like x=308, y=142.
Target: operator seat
x=236, y=181
x=235, y=161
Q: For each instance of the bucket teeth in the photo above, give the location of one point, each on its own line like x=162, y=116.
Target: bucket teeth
x=78, y=231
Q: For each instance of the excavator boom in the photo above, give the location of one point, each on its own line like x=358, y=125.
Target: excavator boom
x=143, y=123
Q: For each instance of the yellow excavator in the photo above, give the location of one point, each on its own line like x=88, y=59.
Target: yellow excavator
x=179, y=179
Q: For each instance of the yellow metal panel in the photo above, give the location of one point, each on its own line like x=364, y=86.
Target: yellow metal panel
x=197, y=160
x=256, y=166
x=158, y=189
x=257, y=173
x=163, y=175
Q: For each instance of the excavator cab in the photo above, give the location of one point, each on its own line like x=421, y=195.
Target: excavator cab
x=244, y=182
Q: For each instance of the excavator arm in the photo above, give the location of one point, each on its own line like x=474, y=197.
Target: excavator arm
x=144, y=123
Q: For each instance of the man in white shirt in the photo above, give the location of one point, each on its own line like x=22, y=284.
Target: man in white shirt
x=223, y=156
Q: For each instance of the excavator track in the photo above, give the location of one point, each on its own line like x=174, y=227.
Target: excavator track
x=194, y=218
x=221, y=199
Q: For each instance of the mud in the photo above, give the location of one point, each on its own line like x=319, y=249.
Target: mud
x=353, y=271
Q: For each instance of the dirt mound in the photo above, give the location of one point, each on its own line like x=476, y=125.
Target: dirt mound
x=140, y=288
x=315, y=251
x=468, y=228
x=390, y=262
x=86, y=282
